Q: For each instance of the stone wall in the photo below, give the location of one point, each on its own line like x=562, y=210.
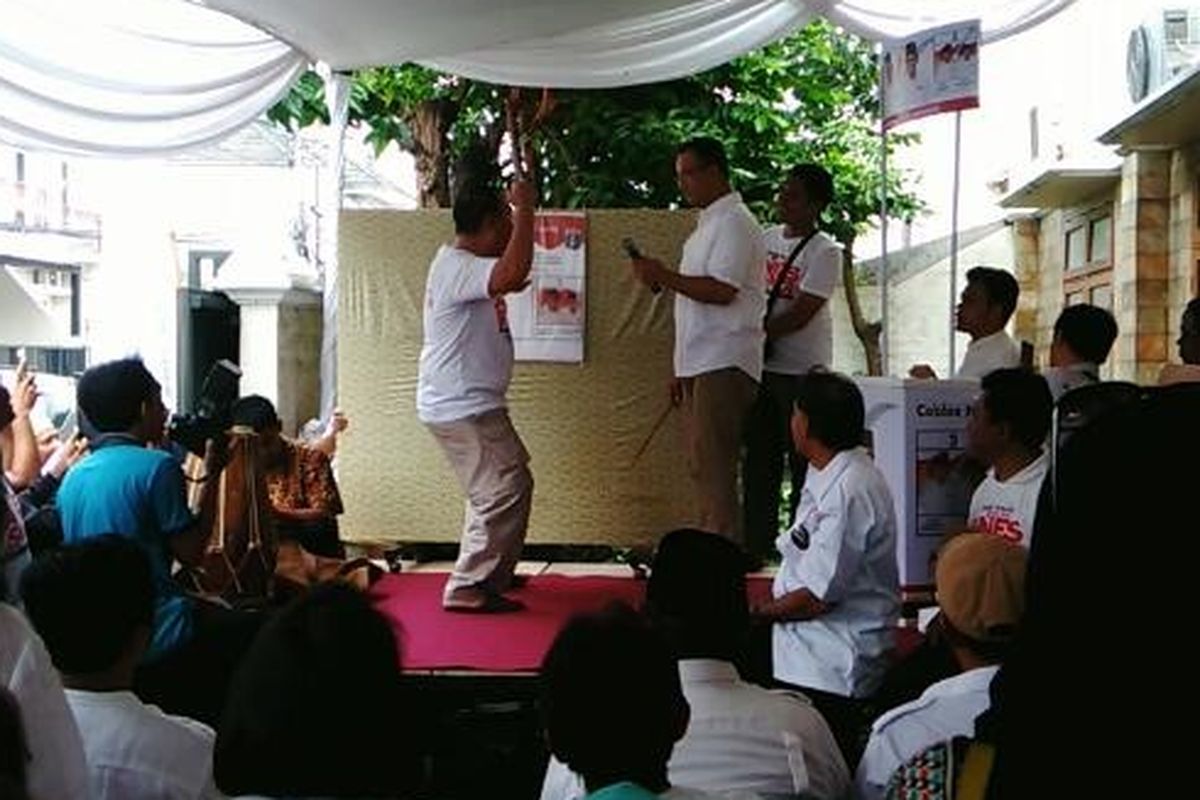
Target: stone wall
x=1184, y=240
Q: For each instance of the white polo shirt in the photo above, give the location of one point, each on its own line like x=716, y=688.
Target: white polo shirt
x=815, y=271
x=467, y=358
x=56, y=763
x=740, y=737
x=946, y=709
x=842, y=548
x=726, y=245
x=1009, y=508
x=989, y=353
x=136, y=751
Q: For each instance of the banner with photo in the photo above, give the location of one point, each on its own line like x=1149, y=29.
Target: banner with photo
x=931, y=72
x=547, y=319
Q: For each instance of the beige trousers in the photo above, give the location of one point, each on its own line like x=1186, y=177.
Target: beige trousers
x=715, y=405
x=492, y=467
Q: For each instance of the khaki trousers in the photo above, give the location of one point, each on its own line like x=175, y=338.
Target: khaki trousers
x=492, y=467
x=714, y=409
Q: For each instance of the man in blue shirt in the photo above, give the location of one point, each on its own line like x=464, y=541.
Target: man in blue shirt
x=129, y=487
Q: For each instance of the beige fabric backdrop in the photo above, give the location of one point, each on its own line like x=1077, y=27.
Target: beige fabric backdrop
x=581, y=423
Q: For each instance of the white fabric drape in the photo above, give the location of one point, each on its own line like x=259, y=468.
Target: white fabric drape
x=885, y=19
x=337, y=97
x=122, y=77
x=652, y=47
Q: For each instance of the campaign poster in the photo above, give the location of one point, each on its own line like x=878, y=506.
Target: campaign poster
x=931, y=72
x=547, y=318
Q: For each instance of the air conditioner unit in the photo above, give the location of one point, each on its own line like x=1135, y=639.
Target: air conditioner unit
x=1167, y=43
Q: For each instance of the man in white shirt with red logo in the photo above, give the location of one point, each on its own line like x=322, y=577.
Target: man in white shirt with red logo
x=465, y=368
x=981, y=592
x=837, y=594
x=1006, y=431
x=802, y=268
x=719, y=306
x=984, y=309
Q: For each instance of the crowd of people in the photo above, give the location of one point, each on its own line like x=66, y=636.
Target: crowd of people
x=121, y=681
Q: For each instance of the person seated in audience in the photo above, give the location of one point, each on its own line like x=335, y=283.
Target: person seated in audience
x=740, y=737
x=984, y=309
x=613, y=706
x=1082, y=705
x=128, y=486
x=837, y=594
x=1083, y=337
x=93, y=604
x=981, y=594
x=1189, y=349
x=304, y=493
x=14, y=751
x=1007, y=432
x=299, y=718
x=18, y=444
x=54, y=764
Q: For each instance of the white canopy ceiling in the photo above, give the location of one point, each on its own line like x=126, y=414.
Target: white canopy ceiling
x=157, y=76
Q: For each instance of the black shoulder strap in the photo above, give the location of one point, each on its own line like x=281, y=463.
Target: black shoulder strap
x=773, y=297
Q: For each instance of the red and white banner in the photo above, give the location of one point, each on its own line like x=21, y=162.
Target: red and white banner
x=931, y=72
x=547, y=319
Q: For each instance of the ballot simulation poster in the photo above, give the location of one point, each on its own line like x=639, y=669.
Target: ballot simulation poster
x=547, y=318
x=931, y=72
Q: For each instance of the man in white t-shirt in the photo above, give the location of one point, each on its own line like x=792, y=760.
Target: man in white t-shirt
x=801, y=272
x=465, y=368
x=981, y=592
x=1006, y=431
x=719, y=307
x=984, y=309
x=1083, y=337
x=836, y=598
x=93, y=604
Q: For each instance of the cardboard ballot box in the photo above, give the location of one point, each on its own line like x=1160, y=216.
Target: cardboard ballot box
x=917, y=434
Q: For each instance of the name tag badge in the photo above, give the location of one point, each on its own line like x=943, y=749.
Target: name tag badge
x=800, y=536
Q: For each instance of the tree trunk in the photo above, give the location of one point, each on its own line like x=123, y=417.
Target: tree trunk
x=868, y=332
x=430, y=123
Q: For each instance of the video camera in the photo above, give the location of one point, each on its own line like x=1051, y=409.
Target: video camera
x=214, y=409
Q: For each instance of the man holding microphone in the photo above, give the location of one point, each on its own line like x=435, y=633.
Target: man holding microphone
x=719, y=307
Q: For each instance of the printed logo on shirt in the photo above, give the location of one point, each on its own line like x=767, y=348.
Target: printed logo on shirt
x=999, y=521
x=795, y=274
x=501, y=314
x=801, y=537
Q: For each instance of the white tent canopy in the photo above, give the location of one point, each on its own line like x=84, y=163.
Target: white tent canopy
x=157, y=76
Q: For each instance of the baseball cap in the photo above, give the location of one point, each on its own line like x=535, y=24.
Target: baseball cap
x=981, y=586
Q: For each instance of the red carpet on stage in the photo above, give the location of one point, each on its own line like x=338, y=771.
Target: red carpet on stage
x=433, y=639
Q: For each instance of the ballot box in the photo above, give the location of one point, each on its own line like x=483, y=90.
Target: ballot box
x=916, y=431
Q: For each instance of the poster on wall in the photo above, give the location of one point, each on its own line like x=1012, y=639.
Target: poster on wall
x=547, y=319
x=930, y=72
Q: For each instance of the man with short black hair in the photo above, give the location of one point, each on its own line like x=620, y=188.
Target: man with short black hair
x=133, y=750
x=465, y=368
x=837, y=594
x=801, y=272
x=612, y=705
x=1083, y=337
x=984, y=309
x=1007, y=430
x=719, y=306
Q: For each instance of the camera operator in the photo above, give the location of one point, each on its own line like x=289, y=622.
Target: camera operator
x=131, y=487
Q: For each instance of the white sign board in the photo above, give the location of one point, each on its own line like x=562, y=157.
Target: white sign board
x=547, y=319
x=918, y=440
x=931, y=72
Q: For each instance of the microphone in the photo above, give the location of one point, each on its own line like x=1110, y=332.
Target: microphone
x=631, y=250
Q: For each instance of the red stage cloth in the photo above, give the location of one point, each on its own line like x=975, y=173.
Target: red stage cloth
x=433, y=639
